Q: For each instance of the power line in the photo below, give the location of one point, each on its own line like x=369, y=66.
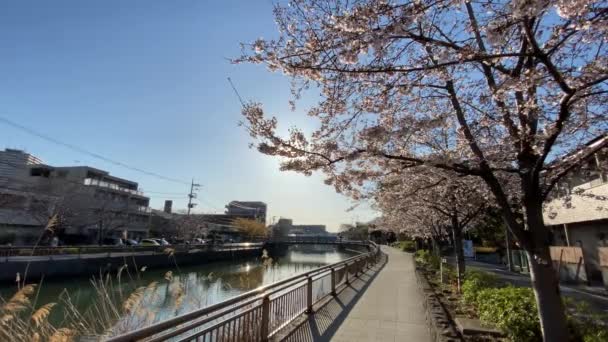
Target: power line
x=118, y=163
x=166, y=193
x=92, y=154
x=236, y=92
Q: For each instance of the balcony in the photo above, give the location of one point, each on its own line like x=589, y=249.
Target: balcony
x=113, y=186
x=142, y=209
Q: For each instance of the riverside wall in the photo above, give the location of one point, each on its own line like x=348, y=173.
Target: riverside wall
x=101, y=263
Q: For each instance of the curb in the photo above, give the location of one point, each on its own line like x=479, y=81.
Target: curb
x=441, y=326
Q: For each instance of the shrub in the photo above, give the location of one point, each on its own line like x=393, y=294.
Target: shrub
x=422, y=256
x=585, y=324
x=427, y=259
x=407, y=246
x=474, y=282
x=512, y=309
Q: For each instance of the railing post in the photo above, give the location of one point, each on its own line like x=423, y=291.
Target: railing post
x=265, y=318
x=309, y=295
x=333, y=282
x=346, y=281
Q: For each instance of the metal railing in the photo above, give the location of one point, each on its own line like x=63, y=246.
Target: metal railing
x=6, y=251
x=317, y=240
x=83, y=251
x=259, y=314
x=114, y=186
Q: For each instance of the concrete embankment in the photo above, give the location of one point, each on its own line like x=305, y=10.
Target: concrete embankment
x=52, y=266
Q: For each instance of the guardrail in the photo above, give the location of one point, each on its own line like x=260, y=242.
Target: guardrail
x=317, y=240
x=258, y=314
x=178, y=248
x=89, y=250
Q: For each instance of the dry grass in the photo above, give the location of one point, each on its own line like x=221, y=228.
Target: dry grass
x=110, y=313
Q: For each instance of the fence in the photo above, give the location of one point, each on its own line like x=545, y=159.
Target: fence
x=258, y=314
x=569, y=263
x=520, y=261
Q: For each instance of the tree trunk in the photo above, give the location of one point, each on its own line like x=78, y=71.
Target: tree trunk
x=551, y=308
x=460, y=266
x=433, y=245
x=545, y=283
x=535, y=241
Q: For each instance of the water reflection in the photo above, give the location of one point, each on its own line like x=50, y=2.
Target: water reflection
x=161, y=294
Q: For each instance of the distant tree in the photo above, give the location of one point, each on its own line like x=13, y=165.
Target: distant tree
x=188, y=227
x=358, y=231
x=434, y=200
x=251, y=228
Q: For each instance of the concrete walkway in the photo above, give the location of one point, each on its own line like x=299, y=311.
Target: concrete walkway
x=391, y=308
x=384, y=304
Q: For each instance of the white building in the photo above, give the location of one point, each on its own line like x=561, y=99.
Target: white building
x=578, y=208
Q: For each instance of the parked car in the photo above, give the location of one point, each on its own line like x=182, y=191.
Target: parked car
x=149, y=242
x=199, y=241
x=130, y=242
x=113, y=242
x=161, y=241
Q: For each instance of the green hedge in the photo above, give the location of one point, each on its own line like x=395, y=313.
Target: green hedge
x=512, y=309
x=587, y=325
x=474, y=282
x=427, y=259
x=406, y=246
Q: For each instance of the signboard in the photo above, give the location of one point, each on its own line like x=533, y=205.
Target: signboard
x=467, y=248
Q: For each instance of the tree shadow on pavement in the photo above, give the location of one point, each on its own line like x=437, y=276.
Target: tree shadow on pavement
x=329, y=315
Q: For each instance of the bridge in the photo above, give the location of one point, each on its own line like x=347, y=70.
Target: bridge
x=297, y=308
x=316, y=241
x=20, y=253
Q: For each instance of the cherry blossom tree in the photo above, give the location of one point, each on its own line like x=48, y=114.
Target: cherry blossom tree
x=491, y=88
x=434, y=202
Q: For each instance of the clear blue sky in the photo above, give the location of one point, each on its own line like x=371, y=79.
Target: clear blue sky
x=144, y=82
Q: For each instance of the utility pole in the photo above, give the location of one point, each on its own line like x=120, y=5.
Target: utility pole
x=508, y=244
x=192, y=194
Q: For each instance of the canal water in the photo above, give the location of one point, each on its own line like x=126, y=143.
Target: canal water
x=165, y=293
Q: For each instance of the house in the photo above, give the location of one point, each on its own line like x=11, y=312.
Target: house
x=577, y=210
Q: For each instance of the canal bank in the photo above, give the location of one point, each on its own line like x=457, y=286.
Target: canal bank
x=57, y=263
x=174, y=290
x=93, y=264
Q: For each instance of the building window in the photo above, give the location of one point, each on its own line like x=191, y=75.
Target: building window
x=40, y=172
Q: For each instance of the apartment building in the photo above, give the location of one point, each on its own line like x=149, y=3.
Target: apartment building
x=577, y=211
x=91, y=203
x=248, y=209
x=285, y=228
x=12, y=161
